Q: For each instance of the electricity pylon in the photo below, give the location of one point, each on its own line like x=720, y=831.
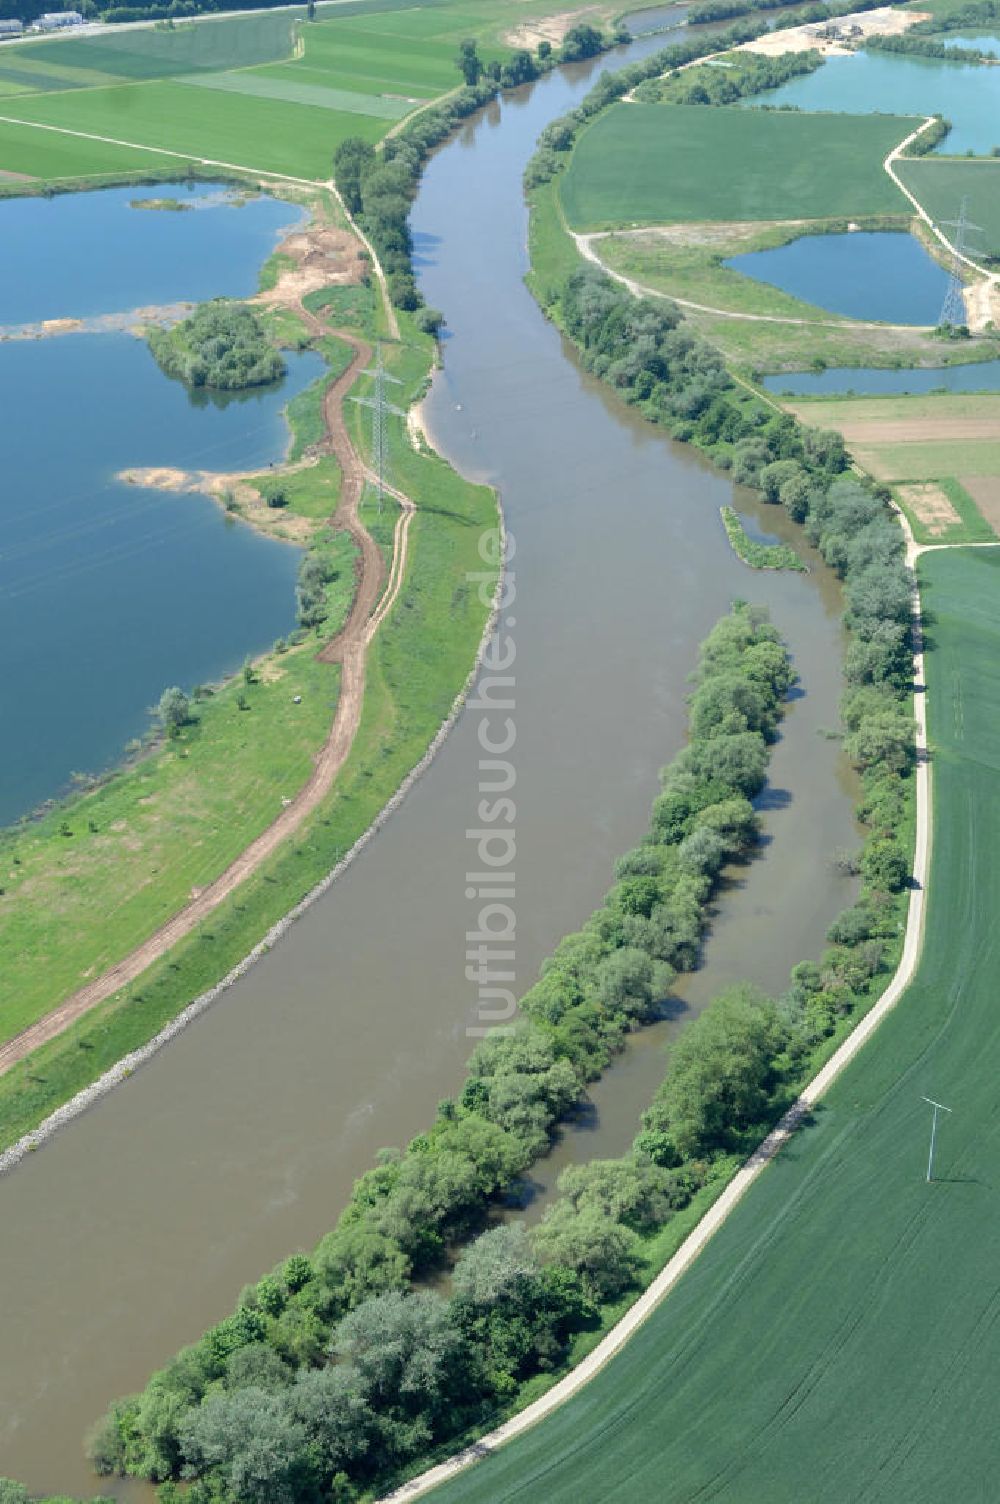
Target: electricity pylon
x=380, y=407
x=953, y=308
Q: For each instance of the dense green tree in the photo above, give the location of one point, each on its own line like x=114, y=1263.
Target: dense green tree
x=885, y=865
x=722, y=1072
x=603, y=1252
x=414, y=1366
x=579, y=42
x=468, y=62
x=174, y=710
x=632, y=983
x=250, y=1440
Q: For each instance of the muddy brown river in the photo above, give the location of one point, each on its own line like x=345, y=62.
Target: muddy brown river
x=137, y=1225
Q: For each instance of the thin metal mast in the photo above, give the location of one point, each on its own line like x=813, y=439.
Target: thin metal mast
x=938, y=1107
x=380, y=407
x=953, y=308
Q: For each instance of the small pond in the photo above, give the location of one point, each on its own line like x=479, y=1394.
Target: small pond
x=982, y=376
x=884, y=275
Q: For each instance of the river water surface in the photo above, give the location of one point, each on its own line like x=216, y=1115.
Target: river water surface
x=135, y=1227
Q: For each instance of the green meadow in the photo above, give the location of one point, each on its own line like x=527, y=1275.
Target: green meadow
x=800, y=1359
x=649, y=164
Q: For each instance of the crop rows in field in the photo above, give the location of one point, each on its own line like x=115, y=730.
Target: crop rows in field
x=660, y=164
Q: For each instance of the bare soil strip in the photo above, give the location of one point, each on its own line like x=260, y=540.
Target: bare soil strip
x=348, y=649
x=985, y=492
x=916, y=430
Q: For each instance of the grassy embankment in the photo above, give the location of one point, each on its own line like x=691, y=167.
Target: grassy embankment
x=786, y=1301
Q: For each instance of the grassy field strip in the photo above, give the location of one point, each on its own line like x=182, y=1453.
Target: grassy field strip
x=287, y=90
x=37, y=153
x=768, y=1150
x=290, y=140
x=917, y=438
x=160, y=151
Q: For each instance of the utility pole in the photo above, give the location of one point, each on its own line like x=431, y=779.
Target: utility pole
x=953, y=309
x=380, y=407
x=938, y=1107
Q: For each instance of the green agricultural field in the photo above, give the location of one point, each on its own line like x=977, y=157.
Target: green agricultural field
x=50, y=154
x=648, y=164
x=914, y=438
x=941, y=184
x=146, y=53
x=836, y=1340
x=264, y=134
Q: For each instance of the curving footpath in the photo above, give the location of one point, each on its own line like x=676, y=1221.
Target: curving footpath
x=776, y=1139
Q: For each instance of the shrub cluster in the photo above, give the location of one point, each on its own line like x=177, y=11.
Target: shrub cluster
x=316, y=571
x=930, y=138
x=723, y=10
x=332, y=1371
x=751, y=73
x=222, y=345
x=966, y=17
x=757, y=555
x=923, y=46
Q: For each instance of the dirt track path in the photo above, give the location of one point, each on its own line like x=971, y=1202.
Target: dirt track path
x=348, y=648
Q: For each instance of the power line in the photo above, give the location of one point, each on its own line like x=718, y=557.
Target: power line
x=953, y=308
x=380, y=407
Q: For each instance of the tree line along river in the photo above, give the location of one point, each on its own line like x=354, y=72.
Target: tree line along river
x=134, y=1228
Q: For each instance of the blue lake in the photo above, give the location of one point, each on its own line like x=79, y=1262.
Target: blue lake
x=967, y=94
x=984, y=376
x=110, y=592
x=883, y=275
x=80, y=254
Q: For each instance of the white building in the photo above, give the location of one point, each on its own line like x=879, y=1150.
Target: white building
x=55, y=20
x=11, y=28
